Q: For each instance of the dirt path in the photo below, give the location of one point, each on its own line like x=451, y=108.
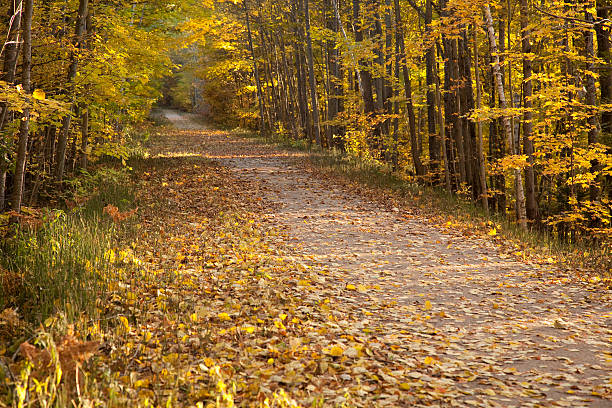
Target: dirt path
x=494, y=331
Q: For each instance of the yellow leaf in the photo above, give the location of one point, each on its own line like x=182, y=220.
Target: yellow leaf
x=39, y=94
x=270, y=361
x=249, y=329
x=428, y=360
x=282, y=316
x=350, y=286
x=224, y=317
x=493, y=232
x=427, y=305
x=193, y=317
x=335, y=351
x=490, y=392
x=124, y=321
x=404, y=386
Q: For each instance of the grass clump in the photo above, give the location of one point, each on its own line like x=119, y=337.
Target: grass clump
x=58, y=261
x=57, y=266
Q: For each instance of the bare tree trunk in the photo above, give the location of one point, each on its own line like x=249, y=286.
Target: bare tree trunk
x=438, y=100
x=311, y=77
x=532, y=205
x=399, y=38
x=605, y=72
x=481, y=159
x=467, y=106
x=84, y=137
x=363, y=74
x=302, y=74
x=335, y=79
x=430, y=60
x=591, y=94
x=62, y=141
x=11, y=52
x=24, y=130
x=520, y=196
x=262, y=127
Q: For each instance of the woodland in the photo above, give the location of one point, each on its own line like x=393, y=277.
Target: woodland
x=181, y=185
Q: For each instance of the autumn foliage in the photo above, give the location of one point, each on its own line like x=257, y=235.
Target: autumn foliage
x=512, y=113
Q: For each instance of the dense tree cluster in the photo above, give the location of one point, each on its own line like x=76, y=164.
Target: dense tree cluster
x=74, y=76
x=507, y=103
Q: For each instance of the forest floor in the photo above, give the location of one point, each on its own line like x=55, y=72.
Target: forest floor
x=285, y=279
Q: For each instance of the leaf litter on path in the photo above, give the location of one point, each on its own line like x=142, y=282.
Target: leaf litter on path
x=475, y=323
x=259, y=280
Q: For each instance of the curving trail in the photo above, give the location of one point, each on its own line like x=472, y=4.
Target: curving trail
x=492, y=330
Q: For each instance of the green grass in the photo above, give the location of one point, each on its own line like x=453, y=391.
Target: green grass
x=60, y=263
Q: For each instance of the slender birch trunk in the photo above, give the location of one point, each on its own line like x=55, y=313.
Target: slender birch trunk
x=499, y=81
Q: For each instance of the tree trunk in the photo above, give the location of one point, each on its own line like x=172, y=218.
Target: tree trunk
x=440, y=115
x=301, y=73
x=11, y=52
x=9, y=66
x=430, y=61
x=520, y=196
x=311, y=77
x=364, y=74
x=62, y=141
x=482, y=172
x=399, y=38
x=467, y=106
x=605, y=71
x=262, y=127
x=335, y=77
x=24, y=130
x=591, y=94
x=531, y=200
x=84, y=138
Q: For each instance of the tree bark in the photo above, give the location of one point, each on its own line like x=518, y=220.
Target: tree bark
x=62, y=141
x=482, y=172
x=520, y=196
x=430, y=61
x=531, y=200
x=591, y=94
x=9, y=67
x=11, y=51
x=605, y=71
x=440, y=115
x=24, y=130
x=262, y=127
x=399, y=33
x=84, y=138
x=311, y=77
x=364, y=74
